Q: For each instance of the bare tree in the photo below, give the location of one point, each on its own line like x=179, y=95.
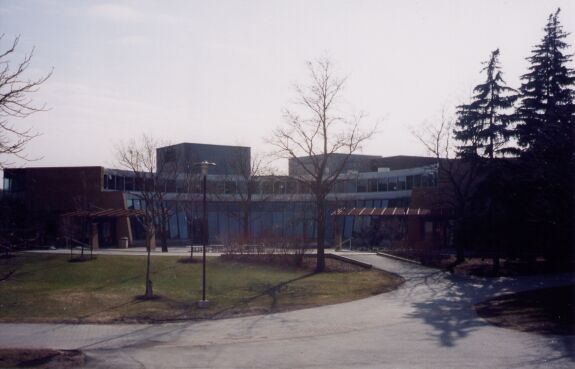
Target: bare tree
x=458, y=180
x=315, y=133
x=246, y=191
x=15, y=101
x=191, y=204
x=151, y=186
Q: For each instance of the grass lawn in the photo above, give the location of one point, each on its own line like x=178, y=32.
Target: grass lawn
x=47, y=288
x=547, y=311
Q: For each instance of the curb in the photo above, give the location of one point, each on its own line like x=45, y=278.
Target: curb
x=349, y=260
x=384, y=254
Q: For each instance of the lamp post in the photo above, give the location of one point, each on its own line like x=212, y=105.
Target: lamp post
x=204, y=165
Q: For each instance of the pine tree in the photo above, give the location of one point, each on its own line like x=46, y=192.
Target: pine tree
x=483, y=126
x=546, y=134
x=546, y=109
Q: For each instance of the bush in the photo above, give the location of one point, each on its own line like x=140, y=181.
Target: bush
x=287, y=251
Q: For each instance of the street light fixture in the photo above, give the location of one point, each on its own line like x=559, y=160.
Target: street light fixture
x=204, y=165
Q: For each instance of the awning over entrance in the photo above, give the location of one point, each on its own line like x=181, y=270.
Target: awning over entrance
x=381, y=212
x=105, y=213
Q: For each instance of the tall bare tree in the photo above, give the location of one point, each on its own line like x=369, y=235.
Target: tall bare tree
x=314, y=132
x=458, y=181
x=151, y=186
x=16, y=102
x=248, y=181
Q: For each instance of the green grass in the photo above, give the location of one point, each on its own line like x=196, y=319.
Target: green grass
x=50, y=289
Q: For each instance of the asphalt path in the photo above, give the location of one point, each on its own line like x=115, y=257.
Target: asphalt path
x=429, y=322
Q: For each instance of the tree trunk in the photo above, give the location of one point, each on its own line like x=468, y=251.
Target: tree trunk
x=492, y=243
x=151, y=238
x=246, y=225
x=496, y=263
x=164, y=238
x=320, y=217
x=149, y=291
x=458, y=236
x=494, y=247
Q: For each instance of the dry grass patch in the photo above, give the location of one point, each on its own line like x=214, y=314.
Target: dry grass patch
x=46, y=288
x=41, y=358
x=546, y=311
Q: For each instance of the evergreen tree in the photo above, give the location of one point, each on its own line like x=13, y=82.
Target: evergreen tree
x=483, y=126
x=545, y=134
x=546, y=109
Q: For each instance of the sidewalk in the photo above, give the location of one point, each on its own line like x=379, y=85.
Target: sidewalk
x=431, y=315
x=172, y=251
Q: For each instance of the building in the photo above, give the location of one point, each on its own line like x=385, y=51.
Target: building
x=44, y=194
x=239, y=203
x=231, y=160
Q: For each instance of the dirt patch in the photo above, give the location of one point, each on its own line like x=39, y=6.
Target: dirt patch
x=41, y=358
x=189, y=260
x=81, y=259
x=304, y=262
x=545, y=311
x=483, y=267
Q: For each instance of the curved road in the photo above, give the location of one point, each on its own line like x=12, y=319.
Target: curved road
x=429, y=322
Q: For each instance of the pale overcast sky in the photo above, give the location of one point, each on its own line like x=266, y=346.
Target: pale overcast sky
x=221, y=72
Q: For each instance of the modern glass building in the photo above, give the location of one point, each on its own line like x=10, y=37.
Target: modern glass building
x=238, y=201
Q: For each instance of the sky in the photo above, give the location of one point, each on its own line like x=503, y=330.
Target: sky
x=222, y=72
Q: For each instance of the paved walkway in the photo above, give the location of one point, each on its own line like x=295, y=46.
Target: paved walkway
x=172, y=251
x=427, y=323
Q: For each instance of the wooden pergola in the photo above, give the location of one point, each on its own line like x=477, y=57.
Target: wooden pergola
x=381, y=212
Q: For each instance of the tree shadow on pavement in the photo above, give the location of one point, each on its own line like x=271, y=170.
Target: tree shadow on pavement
x=265, y=290
x=143, y=336
x=446, y=303
x=447, y=306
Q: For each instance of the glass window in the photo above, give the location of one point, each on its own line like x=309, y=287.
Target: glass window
x=129, y=183
x=425, y=180
x=171, y=186
x=119, y=183
x=230, y=187
x=350, y=186
x=180, y=184
x=382, y=184
x=417, y=181
x=409, y=183
x=339, y=186
x=218, y=186
x=291, y=187
x=304, y=187
x=372, y=185
x=279, y=187
x=362, y=185
x=242, y=186
x=139, y=184
x=392, y=184
x=267, y=187
x=401, y=183
x=7, y=184
x=433, y=179
x=174, y=231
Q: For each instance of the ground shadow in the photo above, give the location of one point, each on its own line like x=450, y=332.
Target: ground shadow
x=154, y=332
x=271, y=291
x=446, y=303
x=447, y=308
